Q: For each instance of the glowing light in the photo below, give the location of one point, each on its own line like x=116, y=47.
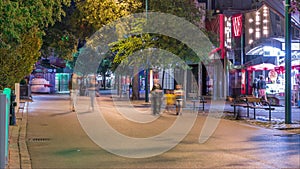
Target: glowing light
x=251, y=30
x=257, y=18
x=257, y=35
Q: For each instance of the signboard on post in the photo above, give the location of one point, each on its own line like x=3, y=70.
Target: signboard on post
x=237, y=24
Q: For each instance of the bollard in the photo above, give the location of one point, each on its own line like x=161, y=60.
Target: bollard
x=17, y=93
x=13, y=103
x=7, y=92
x=3, y=132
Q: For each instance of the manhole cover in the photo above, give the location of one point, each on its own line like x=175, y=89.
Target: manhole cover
x=39, y=139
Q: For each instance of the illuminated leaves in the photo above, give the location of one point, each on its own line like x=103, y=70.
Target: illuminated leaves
x=21, y=28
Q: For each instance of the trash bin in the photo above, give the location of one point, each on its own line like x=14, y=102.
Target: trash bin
x=25, y=92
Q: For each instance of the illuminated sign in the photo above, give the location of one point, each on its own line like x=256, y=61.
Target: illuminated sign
x=237, y=25
x=294, y=46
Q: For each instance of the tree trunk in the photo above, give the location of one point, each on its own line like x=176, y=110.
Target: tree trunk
x=120, y=85
x=163, y=79
x=104, y=81
x=135, y=85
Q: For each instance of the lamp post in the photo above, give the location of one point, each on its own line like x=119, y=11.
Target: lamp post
x=147, y=69
x=287, y=62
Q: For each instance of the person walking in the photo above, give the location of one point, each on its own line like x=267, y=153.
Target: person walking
x=92, y=90
x=73, y=88
x=262, y=88
x=254, y=88
x=170, y=100
x=156, y=97
x=179, y=99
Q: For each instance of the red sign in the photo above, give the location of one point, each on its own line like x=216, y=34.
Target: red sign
x=237, y=25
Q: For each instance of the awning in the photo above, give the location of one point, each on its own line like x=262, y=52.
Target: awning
x=263, y=66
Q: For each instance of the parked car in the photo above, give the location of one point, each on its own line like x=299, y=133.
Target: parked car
x=40, y=85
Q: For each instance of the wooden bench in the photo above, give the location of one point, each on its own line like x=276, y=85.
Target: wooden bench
x=201, y=100
x=237, y=102
x=250, y=103
x=258, y=103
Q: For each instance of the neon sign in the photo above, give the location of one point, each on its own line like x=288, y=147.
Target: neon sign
x=237, y=25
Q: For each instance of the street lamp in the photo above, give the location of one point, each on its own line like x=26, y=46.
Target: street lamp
x=288, y=62
x=147, y=69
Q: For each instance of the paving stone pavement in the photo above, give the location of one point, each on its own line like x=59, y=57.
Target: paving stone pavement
x=18, y=153
x=20, y=158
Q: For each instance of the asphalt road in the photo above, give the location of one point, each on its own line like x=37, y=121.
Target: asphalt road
x=60, y=138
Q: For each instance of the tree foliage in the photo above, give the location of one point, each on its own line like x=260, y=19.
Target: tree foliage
x=186, y=9
x=126, y=47
x=100, y=12
x=21, y=28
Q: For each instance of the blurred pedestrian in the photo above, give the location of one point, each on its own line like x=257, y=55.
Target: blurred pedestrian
x=254, y=88
x=92, y=90
x=179, y=99
x=156, y=97
x=170, y=100
x=74, y=90
x=262, y=88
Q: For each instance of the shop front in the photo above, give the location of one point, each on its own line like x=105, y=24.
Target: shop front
x=274, y=74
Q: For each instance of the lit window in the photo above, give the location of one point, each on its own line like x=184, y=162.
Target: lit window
x=257, y=35
x=251, y=30
x=257, y=18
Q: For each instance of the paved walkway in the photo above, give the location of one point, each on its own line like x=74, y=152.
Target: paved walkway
x=51, y=113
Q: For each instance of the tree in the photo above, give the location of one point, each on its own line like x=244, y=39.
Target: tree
x=96, y=14
x=126, y=47
x=101, y=12
x=21, y=25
